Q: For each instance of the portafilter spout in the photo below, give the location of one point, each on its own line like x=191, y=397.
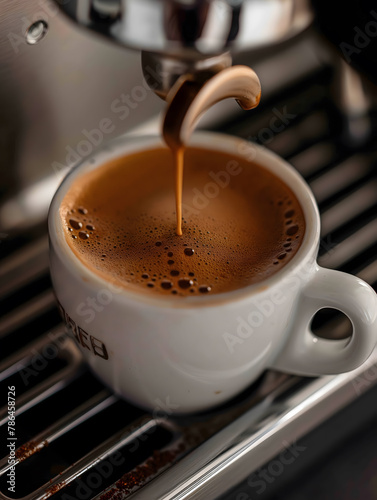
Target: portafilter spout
x=189, y=36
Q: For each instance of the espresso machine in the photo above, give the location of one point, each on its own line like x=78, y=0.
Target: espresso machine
x=285, y=436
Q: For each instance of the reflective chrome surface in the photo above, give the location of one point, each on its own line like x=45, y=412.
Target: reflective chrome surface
x=162, y=71
x=184, y=35
x=255, y=438
x=178, y=27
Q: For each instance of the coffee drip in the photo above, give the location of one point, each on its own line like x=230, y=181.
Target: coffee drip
x=189, y=99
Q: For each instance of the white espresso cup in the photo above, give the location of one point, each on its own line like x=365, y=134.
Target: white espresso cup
x=193, y=353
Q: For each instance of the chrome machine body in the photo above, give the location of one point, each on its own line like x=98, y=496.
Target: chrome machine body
x=180, y=36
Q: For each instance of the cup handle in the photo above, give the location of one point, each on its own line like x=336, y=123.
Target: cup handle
x=306, y=354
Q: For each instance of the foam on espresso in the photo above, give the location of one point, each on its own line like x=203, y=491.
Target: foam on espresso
x=241, y=223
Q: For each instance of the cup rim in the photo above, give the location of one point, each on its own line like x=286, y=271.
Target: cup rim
x=209, y=141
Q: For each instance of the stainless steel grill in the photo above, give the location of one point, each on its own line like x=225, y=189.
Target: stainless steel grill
x=77, y=440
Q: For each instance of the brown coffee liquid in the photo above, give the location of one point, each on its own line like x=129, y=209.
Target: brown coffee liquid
x=241, y=223
x=178, y=164
x=189, y=99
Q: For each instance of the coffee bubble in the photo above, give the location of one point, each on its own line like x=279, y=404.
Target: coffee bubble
x=166, y=285
x=292, y=230
x=75, y=224
x=185, y=283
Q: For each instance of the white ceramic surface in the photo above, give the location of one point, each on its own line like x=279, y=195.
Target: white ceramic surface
x=185, y=355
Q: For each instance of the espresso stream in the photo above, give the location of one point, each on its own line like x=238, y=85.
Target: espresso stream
x=235, y=223
x=189, y=99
